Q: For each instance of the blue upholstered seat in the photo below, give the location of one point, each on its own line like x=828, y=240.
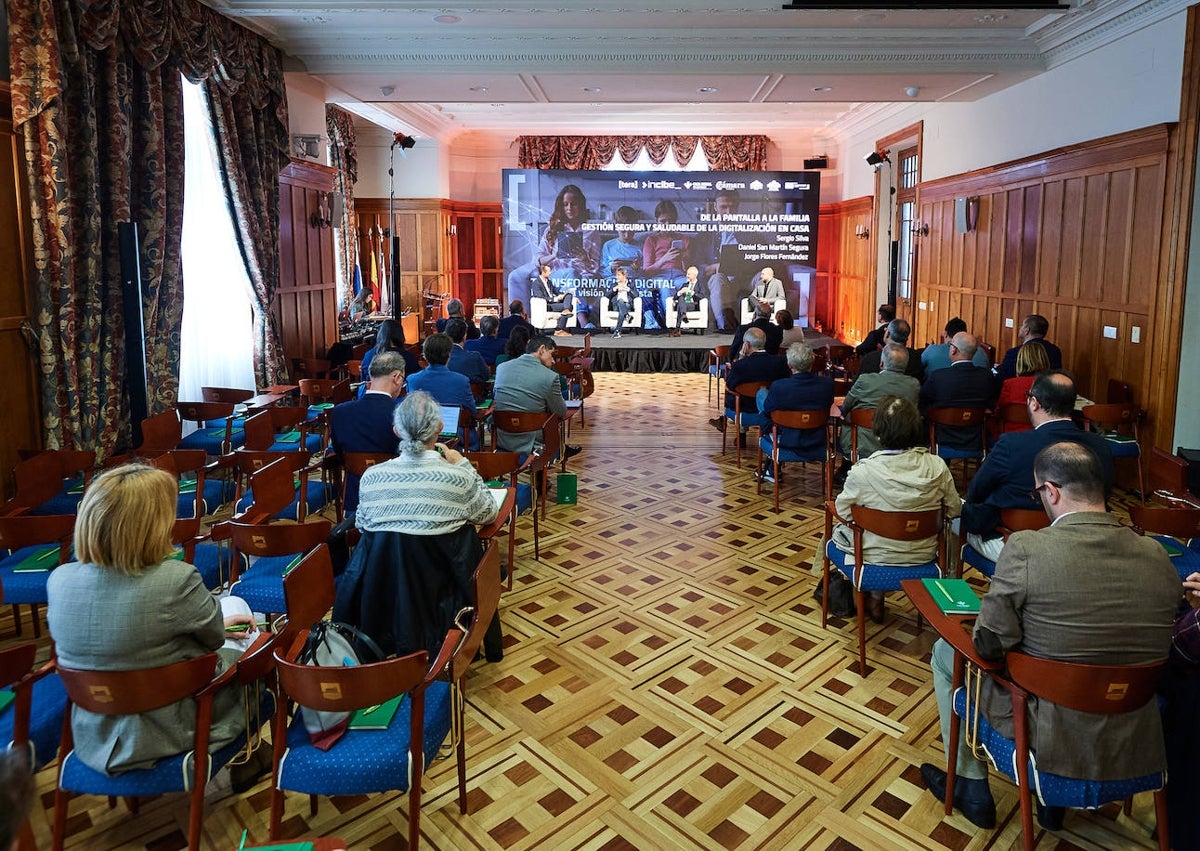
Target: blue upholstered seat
x=49, y=704
x=317, y=495
x=214, y=562
x=25, y=586
x=216, y=493
x=790, y=455
x=949, y=453
x=978, y=560
x=1187, y=562
x=261, y=584
x=212, y=440
x=876, y=577
x=1054, y=790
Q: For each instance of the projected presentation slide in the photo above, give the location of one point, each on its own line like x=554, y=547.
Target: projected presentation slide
x=735, y=228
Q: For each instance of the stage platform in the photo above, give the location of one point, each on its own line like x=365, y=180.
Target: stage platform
x=651, y=352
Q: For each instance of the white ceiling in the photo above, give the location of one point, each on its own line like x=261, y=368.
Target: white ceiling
x=571, y=67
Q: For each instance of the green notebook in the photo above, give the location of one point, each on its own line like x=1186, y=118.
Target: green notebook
x=376, y=717
x=954, y=596
x=7, y=696
x=290, y=437
x=1173, y=549
x=44, y=559
x=187, y=485
x=322, y=406
x=291, y=565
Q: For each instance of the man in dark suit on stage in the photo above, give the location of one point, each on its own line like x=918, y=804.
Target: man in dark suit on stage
x=963, y=385
x=754, y=365
x=1083, y=590
x=1033, y=328
x=365, y=424
x=1005, y=479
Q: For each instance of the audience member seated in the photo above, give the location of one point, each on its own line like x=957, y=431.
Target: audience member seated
x=937, y=355
x=454, y=310
x=529, y=383
x=389, y=338
x=126, y=604
x=1180, y=689
x=755, y=364
x=1033, y=328
x=898, y=332
x=470, y=364
x=516, y=317
x=515, y=345
x=1031, y=360
x=365, y=425
x=411, y=571
x=902, y=476
x=1082, y=590
x=1005, y=479
x=439, y=381
x=866, y=392
x=801, y=391
x=792, y=333
x=963, y=385
x=489, y=344
x=874, y=340
x=772, y=334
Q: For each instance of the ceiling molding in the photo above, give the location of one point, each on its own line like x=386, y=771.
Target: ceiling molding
x=1087, y=32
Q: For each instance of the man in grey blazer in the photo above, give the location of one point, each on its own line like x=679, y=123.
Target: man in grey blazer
x=766, y=291
x=870, y=387
x=1084, y=590
x=529, y=383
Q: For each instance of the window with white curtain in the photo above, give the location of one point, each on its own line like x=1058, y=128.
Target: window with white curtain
x=217, y=335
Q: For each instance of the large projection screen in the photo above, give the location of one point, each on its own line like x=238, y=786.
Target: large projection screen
x=730, y=225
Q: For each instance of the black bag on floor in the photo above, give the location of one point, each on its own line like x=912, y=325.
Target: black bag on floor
x=841, y=596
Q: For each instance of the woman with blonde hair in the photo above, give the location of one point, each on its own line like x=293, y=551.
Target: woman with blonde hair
x=1031, y=360
x=128, y=604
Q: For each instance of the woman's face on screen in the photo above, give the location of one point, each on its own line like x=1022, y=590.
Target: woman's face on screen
x=572, y=207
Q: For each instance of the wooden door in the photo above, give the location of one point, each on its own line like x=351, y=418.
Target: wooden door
x=20, y=411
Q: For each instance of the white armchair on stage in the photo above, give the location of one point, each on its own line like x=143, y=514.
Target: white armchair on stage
x=543, y=318
x=748, y=311
x=695, y=319
x=608, y=316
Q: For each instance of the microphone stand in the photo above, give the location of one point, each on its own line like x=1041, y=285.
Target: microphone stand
x=392, y=231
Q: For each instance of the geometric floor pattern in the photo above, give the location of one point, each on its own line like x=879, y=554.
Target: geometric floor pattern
x=666, y=684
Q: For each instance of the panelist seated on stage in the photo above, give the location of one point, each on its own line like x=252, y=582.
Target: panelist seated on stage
x=365, y=425
x=1082, y=590
x=765, y=291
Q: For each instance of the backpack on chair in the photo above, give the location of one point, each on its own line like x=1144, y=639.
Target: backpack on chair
x=333, y=645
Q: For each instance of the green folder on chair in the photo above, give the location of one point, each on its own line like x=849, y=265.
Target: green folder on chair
x=43, y=560
x=376, y=717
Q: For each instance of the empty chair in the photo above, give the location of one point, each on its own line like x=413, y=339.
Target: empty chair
x=263, y=556
x=307, y=495
x=50, y=482
x=718, y=363
x=1119, y=425
x=1176, y=525
x=219, y=440
x=36, y=545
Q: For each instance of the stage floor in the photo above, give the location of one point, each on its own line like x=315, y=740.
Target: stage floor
x=656, y=352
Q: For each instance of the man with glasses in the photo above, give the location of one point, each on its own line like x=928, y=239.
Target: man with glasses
x=1005, y=478
x=1082, y=590
x=963, y=385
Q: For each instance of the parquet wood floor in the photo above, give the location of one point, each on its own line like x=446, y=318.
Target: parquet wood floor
x=666, y=684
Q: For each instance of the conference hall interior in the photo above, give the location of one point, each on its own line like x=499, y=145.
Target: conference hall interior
x=208, y=209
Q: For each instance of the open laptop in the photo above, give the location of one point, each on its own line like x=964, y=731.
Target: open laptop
x=450, y=415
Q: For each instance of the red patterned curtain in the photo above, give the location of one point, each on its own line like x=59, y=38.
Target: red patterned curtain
x=97, y=100
x=344, y=157
x=724, y=153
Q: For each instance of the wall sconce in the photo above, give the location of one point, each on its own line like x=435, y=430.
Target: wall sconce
x=862, y=232
x=322, y=217
x=920, y=229
x=966, y=214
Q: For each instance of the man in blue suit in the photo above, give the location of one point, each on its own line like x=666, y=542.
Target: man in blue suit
x=1033, y=328
x=440, y=382
x=963, y=385
x=803, y=390
x=1005, y=479
x=516, y=316
x=470, y=364
x=489, y=345
x=754, y=365
x=365, y=424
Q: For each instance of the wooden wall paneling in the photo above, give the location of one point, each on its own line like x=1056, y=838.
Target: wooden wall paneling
x=844, y=291
x=306, y=302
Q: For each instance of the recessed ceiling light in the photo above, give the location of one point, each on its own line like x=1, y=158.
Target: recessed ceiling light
x=707, y=90
x=481, y=89
x=823, y=89
x=386, y=91
x=447, y=19
x=591, y=90
x=869, y=17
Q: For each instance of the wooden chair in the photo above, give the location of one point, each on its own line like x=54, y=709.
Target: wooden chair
x=804, y=421
x=538, y=461
x=963, y=418
x=1007, y=416
x=133, y=692
x=161, y=432
x=718, y=363
x=388, y=759
x=896, y=525
x=200, y=493
x=320, y=391
x=308, y=593
x=310, y=368
x=859, y=418
x=50, y=481
x=302, y=495
x=1097, y=689
x=36, y=544
x=841, y=360
x=275, y=548
x=1119, y=425
x=500, y=465
x=219, y=440
x=355, y=464
x=745, y=390
x=1175, y=524
x=233, y=395
x=1011, y=520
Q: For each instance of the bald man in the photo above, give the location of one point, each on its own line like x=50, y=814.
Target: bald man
x=962, y=385
x=766, y=291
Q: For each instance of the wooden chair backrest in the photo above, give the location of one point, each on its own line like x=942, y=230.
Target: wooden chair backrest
x=180, y=461
x=308, y=590
x=30, y=530
x=259, y=431
x=962, y=417
x=161, y=432
x=310, y=368
x=1023, y=519
x=316, y=390
x=16, y=662
x=862, y=417
x=38, y=479
x=835, y=354
x=200, y=412
x=360, y=351
x=1013, y=412
x=718, y=354
x=587, y=384
x=587, y=345
x=1112, y=415
x=133, y=692
x=1100, y=689
x=358, y=462
x=184, y=530
x=494, y=465
x=225, y=394
x=521, y=421
x=800, y=419
x=272, y=482
x=1178, y=522
x=486, y=585
x=990, y=351
x=749, y=389
x=278, y=539
x=342, y=689
x=898, y=525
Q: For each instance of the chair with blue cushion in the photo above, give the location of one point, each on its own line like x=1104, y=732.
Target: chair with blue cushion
x=307, y=496
x=538, y=461
x=219, y=440
x=308, y=593
x=1097, y=689
x=34, y=717
x=494, y=466
x=200, y=492
x=264, y=553
x=36, y=544
x=958, y=418
x=859, y=418
x=1118, y=423
x=745, y=392
x=718, y=364
x=362, y=761
x=896, y=525
x=1011, y=520
x=50, y=481
x=132, y=692
x=800, y=420
x=1176, y=525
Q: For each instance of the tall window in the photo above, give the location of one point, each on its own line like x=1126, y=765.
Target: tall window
x=217, y=335
x=906, y=199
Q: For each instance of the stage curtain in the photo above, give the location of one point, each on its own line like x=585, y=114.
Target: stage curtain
x=658, y=147
x=684, y=147
x=629, y=147
x=97, y=100
x=735, y=153
x=724, y=153
x=344, y=157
